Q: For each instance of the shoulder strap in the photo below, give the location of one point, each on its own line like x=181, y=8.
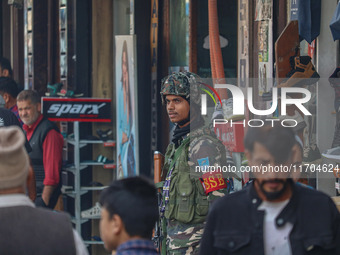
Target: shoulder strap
x=179, y=151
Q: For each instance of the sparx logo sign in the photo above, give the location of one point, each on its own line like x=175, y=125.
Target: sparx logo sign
x=77, y=109
x=60, y=109
x=238, y=104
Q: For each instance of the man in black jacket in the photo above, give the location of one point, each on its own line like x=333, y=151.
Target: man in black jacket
x=272, y=215
x=47, y=145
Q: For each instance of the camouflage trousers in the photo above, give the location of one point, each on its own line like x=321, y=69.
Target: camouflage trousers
x=193, y=250
x=183, y=239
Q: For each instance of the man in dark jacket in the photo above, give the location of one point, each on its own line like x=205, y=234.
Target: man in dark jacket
x=272, y=215
x=47, y=144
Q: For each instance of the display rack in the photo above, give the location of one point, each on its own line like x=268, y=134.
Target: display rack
x=85, y=110
x=76, y=167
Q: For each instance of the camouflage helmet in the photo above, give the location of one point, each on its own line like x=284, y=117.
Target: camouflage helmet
x=184, y=84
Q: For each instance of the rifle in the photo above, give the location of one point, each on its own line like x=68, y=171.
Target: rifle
x=158, y=237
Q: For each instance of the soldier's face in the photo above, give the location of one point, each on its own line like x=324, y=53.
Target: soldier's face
x=177, y=107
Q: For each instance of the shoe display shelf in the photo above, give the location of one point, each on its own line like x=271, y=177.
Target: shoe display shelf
x=76, y=190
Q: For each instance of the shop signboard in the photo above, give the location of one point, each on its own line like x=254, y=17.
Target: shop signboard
x=76, y=109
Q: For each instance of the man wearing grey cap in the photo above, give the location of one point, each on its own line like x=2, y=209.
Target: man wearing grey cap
x=25, y=229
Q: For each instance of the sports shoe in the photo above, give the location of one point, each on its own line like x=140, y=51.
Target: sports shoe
x=104, y=160
x=101, y=159
x=301, y=123
x=69, y=93
x=93, y=212
x=311, y=155
x=104, y=134
x=227, y=109
x=53, y=89
x=302, y=73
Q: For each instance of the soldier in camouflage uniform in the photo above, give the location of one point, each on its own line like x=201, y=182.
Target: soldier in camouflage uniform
x=186, y=194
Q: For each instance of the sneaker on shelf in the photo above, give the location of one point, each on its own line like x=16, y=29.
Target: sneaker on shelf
x=301, y=123
x=104, y=134
x=69, y=93
x=227, y=109
x=302, y=73
x=311, y=155
x=101, y=159
x=53, y=89
x=93, y=212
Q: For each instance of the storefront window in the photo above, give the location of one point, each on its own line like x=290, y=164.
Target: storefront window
x=179, y=33
x=121, y=14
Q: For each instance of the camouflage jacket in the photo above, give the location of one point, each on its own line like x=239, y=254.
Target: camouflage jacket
x=185, y=226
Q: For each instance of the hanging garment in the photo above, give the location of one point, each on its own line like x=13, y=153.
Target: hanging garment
x=335, y=24
x=309, y=17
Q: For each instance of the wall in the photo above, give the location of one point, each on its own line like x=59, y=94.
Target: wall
x=102, y=87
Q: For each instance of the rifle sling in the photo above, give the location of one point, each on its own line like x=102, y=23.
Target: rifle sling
x=177, y=154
